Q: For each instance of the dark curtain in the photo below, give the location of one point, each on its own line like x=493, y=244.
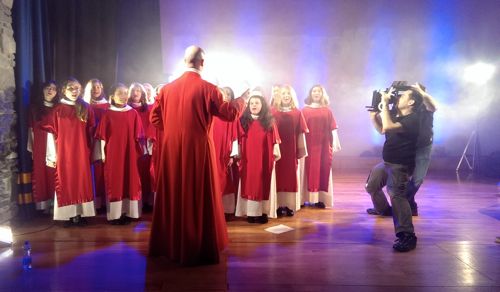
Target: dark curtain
x=112, y=40
x=33, y=63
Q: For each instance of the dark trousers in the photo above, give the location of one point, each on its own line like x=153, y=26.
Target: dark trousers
x=396, y=178
x=422, y=162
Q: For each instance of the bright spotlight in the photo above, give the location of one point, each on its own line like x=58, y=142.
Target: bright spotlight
x=5, y=236
x=479, y=73
x=6, y=253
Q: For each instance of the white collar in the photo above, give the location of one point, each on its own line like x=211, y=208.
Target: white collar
x=285, y=109
x=120, y=109
x=68, y=102
x=48, y=103
x=193, y=70
x=315, y=105
x=100, y=101
x=136, y=104
x=255, y=117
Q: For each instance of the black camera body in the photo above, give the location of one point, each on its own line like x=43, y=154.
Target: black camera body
x=399, y=87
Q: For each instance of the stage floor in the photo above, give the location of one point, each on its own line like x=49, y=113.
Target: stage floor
x=338, y=249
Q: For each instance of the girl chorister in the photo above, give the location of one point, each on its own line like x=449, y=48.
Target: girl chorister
x=157, y=136
x=226, y=148
x=150, y=93
x=120, y=132
x=259, y=142
x=69, y=151
x=291, y=127
x=138, y=101
x=42, y=176
x=322, y=140
x=95, y=96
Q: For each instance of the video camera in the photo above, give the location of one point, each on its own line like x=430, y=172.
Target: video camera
x=399, y=87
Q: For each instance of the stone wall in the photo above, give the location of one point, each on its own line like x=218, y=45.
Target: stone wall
x=8, y=141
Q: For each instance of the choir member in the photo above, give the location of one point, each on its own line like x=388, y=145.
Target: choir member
x=150, y=93
x=275, y=94
x=95, y=96
x=291, y=127
x=138, y=101
x=226, y=148
x=120, y=132
x=69, y=151
x=42, y=175
x=259, y=142
x=322, y=140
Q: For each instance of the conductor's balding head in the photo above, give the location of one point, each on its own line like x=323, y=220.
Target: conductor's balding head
x=194, y=57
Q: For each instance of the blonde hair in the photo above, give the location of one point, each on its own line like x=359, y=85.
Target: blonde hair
x=294, y=103
x=87, y=92
x=325, y=100
x=275, y=97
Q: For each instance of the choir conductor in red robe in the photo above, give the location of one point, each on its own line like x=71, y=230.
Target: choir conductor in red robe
x=188, y=221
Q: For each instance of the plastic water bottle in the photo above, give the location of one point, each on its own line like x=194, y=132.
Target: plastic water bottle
x=27, y=256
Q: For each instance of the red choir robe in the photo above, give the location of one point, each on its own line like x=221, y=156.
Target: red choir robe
x=122, y=133
x=188, y=224
x=155, y=157
x=42, y=180
x=156, y=136
x=318, y=163
x=73, y=143
x=224, y=135
x=257, y=160
x=145, y=160
x=290, y=125
x=100, y=192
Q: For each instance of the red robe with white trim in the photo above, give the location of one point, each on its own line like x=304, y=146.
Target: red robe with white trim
x=290, y=125
x=73, y=143
x=257, y=160
x=224, y=135
x=122, y=132
x=318, y=164
x=145, y=160
x=43, y=177
x=99, y=110
x=188, y=220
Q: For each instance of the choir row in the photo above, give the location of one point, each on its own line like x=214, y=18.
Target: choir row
x=91, y=152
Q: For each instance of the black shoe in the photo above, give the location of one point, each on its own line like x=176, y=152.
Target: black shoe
x=320, y=205
x=414, y=212
x=82, y=222
x=405, y=242
x=251, y=219
x=281, y=212
x=289, y=212
x=262, y=219
x=372, y=211
x=124, y=220
x=114, y=222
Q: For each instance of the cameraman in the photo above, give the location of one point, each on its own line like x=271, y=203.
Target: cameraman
x=401, y=128
x=424, y=146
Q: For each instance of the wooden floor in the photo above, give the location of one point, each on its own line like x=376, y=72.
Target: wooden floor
x=339, y=249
